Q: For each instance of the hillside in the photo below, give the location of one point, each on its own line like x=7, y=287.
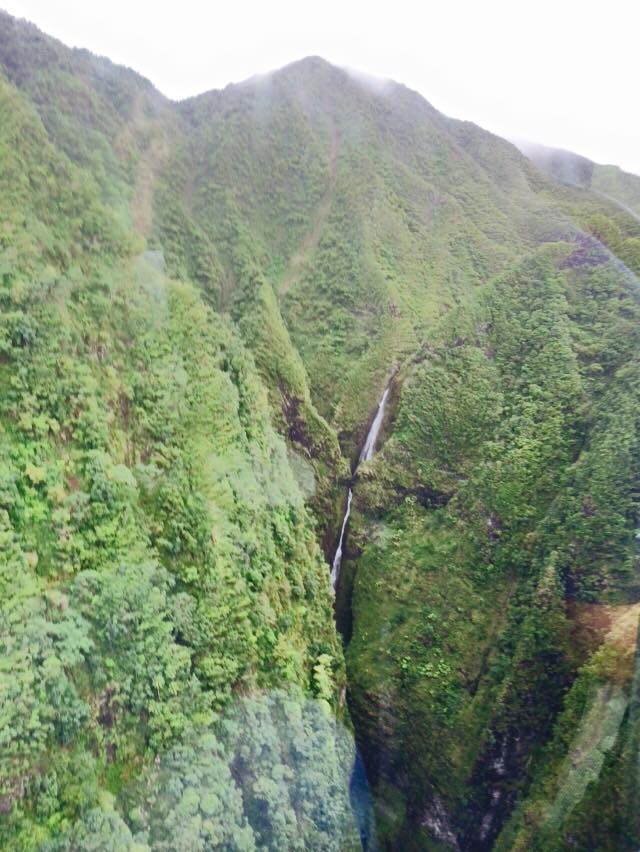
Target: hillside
x=161, y=581
x=202, y=303
x=611, y=182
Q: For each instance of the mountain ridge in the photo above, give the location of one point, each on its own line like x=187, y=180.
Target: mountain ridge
x=573, y=168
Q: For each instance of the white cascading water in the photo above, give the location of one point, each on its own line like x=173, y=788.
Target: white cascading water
x=337, y=559
x=367, y=452
x=370, y=444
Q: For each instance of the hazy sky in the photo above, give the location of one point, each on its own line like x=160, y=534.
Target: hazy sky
x=564, y=73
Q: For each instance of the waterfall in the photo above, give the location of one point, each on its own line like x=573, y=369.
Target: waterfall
x=368, y=449
x=337, y=559
x=370, y=443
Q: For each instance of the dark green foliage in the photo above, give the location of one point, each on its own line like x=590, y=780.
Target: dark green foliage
x=521, y=461
x=193, y=801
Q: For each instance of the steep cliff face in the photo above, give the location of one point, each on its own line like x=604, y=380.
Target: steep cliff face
x=165, y=607
x=496, y=548
x=201, y=305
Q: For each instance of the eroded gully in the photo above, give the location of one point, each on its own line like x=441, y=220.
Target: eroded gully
x=360, y=792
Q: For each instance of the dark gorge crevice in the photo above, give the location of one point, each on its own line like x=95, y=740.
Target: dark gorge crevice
x=342, y=577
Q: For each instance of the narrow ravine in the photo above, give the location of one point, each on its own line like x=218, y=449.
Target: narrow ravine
x=359, y=790
x=368, y=449
x=337, y=559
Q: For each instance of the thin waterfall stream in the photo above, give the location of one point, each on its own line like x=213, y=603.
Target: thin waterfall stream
x=337, y=559
x=359, y=790
x=368, y=449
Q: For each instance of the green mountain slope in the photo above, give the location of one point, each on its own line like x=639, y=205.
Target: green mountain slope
x=201, y=305
x=158, y=560
x=615, y=183
x=497, y=528
x=612, y=182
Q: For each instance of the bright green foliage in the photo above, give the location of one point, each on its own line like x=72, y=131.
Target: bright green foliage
x=99, y=831
x=157, y=553
x=270, y=775
x=43, y=642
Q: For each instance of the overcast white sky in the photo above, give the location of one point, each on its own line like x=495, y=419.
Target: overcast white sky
x=564, y=73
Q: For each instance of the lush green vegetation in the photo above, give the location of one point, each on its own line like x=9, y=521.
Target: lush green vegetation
x=200, y=304
x=158, y=560
x=502, y=507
